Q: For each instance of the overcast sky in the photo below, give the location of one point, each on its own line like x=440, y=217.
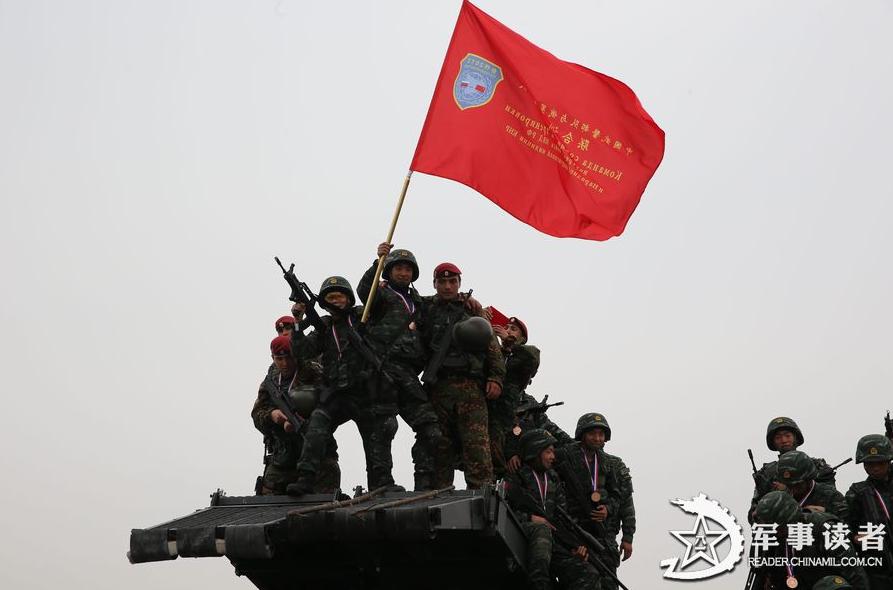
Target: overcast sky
x=155, y=156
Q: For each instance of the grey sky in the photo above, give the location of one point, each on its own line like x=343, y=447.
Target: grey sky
x=154, y=156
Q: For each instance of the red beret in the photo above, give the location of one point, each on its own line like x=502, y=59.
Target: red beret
x=281, y=322
x=281, y=346
x=445, y=270
x=520, y=324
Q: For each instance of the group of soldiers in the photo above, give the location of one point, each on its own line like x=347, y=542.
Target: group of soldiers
x=798, y=492
x=469, y=410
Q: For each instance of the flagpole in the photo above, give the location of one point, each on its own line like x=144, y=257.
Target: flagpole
x=378, y=269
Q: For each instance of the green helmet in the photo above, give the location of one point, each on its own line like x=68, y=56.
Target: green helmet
x=473, y=334
x=590, y=421
x=303, y=399
x=534, y=442
x=777, y=507
x=339, y=284
x=832, y=583
x=782, y=423
x=400, y=256
x=874, y=447
x=796, y=467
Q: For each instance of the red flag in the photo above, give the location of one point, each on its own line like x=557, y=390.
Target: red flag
x=559, y=146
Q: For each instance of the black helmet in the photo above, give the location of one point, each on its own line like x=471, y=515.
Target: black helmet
x=533, y=442
x=473, y=334
x=777, y=507
x=796, y=467
x=832, y=583
x=782, y=423
x=400, y=256
x=303, y=399
x=339, y=284
x=874, y=447
x=590, y=421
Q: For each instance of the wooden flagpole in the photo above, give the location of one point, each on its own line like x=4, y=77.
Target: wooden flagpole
x=367, y=305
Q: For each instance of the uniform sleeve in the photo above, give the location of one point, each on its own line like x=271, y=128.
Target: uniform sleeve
x=838, y=506
x=305, y=347
x=263, y=407
x=855, y=517
x=516, y=498
x=560, y=435
x=495, y=362
x=825, y=473
x=627, y=511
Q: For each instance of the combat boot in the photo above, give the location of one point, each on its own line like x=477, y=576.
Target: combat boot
x=302, y=487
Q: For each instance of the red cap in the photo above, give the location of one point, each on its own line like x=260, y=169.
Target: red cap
x=445, y=270
x=281, y=322
x=281, y=346
x=520, y=324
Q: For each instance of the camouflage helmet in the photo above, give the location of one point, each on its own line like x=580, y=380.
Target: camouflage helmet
x=333, y=284
x=473, y=334
x=796, y=467
x=397, y=256
x=303, y=399
x=874, y=447
x=534, y=442
x=832, y=583
x=782, y=423
x=777, y=507
x=590, y=421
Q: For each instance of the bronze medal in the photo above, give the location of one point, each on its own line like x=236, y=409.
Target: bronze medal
x=516, y=430
x=595, y=497
x=792, y=582
x=412, y=325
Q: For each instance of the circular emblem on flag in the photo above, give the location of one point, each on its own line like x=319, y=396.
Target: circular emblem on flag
x=476, y=82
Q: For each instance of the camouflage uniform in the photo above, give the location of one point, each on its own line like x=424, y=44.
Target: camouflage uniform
x=391, y=332
x=458, y=395
x=871, y=501
x=531, y=420
x=575, y=466
x=344, y=396
x=768, y=473
x=284, y=448
x=548, y=555
x=780, y=508
x=521, y=364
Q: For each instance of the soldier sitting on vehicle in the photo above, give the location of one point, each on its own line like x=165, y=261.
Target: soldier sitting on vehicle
x=797, y=472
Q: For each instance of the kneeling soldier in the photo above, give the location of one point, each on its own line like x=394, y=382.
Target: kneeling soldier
x=535, y=494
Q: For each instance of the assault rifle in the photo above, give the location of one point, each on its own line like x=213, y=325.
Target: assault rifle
x=280, y=400
x=888, y=425
x=536, y=407
x=429, y=376
x=301, y=293
x=566, y=524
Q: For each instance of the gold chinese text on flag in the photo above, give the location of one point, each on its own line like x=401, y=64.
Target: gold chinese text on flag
x=564, y=149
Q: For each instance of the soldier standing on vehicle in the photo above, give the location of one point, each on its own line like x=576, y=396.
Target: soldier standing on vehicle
x=392, y=333
x=783, y=435
x=592, y=487
x=535, y=494
x=870, y=504
x=465, y=368
x=283, y=441
x=344, y=394
x=797, y=472
x=521, y=364
x=531, y=414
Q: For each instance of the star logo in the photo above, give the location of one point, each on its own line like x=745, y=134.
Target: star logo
x=714, y=530
x=700, y=547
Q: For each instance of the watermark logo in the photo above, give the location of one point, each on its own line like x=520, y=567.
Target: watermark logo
x=715, y=532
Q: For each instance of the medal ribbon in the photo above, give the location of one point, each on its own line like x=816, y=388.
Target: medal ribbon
x=409, y=304
x=788, y=566
x=335, y=335
x=542, y=487
x=883, y=504
x=806, y=497
x=593, y=469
